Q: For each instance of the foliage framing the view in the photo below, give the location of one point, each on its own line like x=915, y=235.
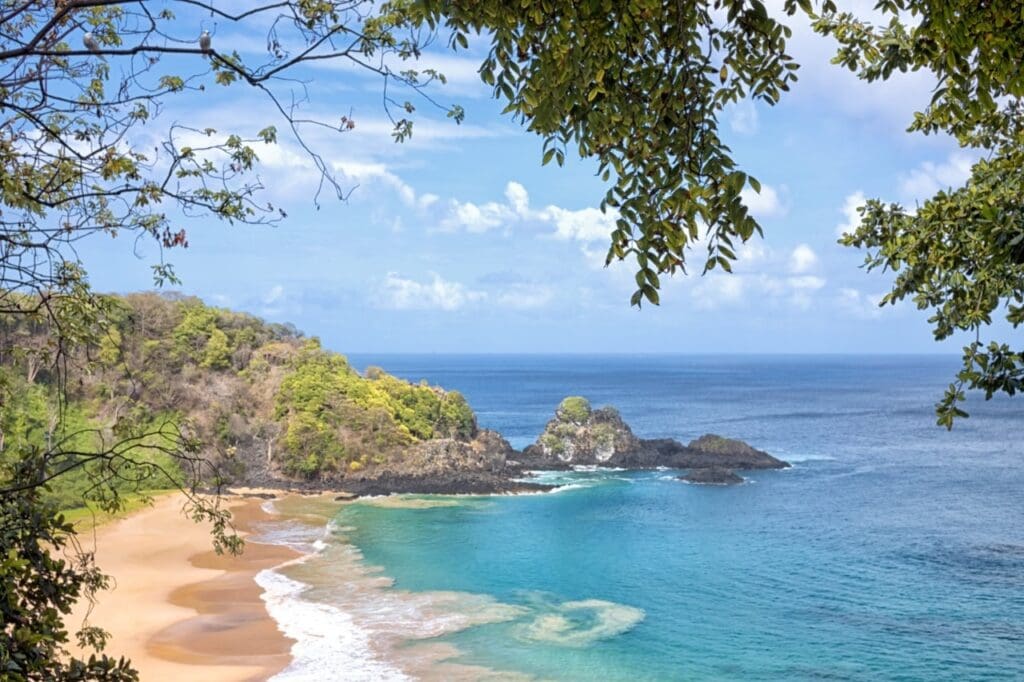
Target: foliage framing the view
x=960, y=254
x=637, y=86
x=80, y=79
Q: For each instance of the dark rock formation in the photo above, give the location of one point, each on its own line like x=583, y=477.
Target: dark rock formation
x=601, y=437
x=452, y=484
x=712, y=476
x=444, y=466
x=586, y=437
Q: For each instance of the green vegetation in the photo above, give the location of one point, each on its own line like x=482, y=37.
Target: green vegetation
x=717, y=444
x=603, y=435
x=168, y=367
x=574, y=409
x=91, y=516
x=334, y=418
x=38, y=588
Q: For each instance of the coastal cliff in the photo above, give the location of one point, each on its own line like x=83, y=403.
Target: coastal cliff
x=263, y=405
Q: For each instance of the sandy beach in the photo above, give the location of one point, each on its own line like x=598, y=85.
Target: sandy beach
x=178, y=610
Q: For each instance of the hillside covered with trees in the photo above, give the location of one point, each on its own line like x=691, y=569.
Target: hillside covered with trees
x=243, y=399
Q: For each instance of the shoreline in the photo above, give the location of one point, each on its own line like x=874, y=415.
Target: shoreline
x=176, y=608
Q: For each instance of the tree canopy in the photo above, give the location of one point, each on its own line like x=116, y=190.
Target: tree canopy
x=960, y=254
x=637, y=87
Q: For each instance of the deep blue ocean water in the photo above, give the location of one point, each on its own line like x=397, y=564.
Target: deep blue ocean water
x=892, y=550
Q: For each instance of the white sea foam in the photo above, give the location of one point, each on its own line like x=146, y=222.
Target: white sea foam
x=570, y=486
x=807, y=458
x=327, y=639
x=594, y=467
x=345, y=615
x=579, y=623
x=409, y=502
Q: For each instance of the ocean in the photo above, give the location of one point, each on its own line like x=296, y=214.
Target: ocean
x=892, y=550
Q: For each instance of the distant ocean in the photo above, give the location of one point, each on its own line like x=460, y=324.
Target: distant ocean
x=892, y=550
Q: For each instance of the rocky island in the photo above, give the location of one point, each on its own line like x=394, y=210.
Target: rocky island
x=580, y=435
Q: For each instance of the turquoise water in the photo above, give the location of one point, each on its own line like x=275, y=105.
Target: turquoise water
x=892, y=550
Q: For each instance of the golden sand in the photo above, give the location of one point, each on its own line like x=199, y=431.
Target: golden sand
x=179, y=611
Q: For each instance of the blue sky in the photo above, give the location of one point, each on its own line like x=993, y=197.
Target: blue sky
x=460, y=241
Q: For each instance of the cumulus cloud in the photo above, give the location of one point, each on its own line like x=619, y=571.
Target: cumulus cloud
x=489, y=216
x=584, y=225
x=918, y=185
x=768, y=278
x=476, y=217
x=849, y=210
x=518, y=198
x=436, y=293
x=828, y=87
x=765, y=204
x=802, y=259
x=929, y=178
x=378, y=174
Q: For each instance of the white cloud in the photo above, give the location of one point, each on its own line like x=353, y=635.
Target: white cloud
x=918, y=185
x=585, y=225
x=485, y=217
x=805, y=282
x=802, y=259
x=849, y=210
x=518, y=198
x=289, y=173
x=715, y=291
x=765, y=204
x=436, y=294
x=743, y=118
x=525, y=296
x=777, y=280
x=362, y=172
x=426, y=132
x=476, y=218
x=826, y=87
x=929, y=178
x=860, y=304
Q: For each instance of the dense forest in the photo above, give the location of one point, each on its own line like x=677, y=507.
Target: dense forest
x=240, y=393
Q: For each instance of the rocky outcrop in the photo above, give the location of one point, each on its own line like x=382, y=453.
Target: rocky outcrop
x=579, y=435
x=443, y=466
x=712, y=476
